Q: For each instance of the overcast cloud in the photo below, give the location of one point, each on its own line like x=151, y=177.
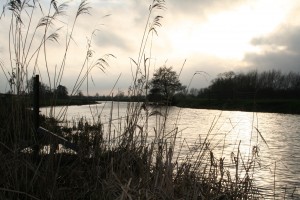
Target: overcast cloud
x=279, y=50
x=212, y=35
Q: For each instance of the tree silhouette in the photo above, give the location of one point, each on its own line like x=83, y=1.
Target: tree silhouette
x=61, y=91
x=164, y=84
x=267, y=84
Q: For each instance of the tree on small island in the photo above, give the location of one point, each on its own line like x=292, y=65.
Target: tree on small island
x=164, y=84
x=61, y=92
x=80, y=93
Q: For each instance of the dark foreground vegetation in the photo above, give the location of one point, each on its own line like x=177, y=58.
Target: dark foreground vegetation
x=123, y=164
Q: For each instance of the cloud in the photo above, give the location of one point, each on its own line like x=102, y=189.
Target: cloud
x=286, y=37
x=279, y=50
x=202, y=7
x=108, y=39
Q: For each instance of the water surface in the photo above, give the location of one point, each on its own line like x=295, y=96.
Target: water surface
x=276, y=136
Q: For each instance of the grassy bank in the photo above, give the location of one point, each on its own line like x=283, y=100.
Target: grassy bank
x=287, y=106
x=50, y=101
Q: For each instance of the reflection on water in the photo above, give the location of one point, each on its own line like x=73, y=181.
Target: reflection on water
x=276, y=136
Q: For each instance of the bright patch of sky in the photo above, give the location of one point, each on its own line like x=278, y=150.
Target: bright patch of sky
x=228, y=34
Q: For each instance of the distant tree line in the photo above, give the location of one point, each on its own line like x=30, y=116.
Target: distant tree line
x=166, y=88
x=268, y=84
x=119, y=97
x=46, y=92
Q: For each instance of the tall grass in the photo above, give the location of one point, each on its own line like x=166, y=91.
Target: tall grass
x=131, y=161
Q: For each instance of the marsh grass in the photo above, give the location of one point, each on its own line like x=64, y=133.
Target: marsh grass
x=127, y=160
x=131, y=169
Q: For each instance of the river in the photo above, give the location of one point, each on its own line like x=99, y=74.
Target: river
x=276, y=136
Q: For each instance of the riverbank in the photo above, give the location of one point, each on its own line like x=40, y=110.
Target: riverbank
x=286, y=106
x=67, y=102
x=270, y=105
x=50, y=101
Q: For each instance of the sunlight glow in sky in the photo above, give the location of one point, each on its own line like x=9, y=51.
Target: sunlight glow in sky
x=228, y=34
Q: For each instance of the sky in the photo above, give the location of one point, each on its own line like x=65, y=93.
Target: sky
x=205, y=35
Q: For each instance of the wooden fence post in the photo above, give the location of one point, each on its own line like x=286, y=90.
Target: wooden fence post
x=36, y=102
x=36, y=114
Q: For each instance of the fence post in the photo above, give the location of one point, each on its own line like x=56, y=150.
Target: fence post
x=36, y=110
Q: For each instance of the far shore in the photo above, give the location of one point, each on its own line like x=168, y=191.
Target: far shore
x=285, y=106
